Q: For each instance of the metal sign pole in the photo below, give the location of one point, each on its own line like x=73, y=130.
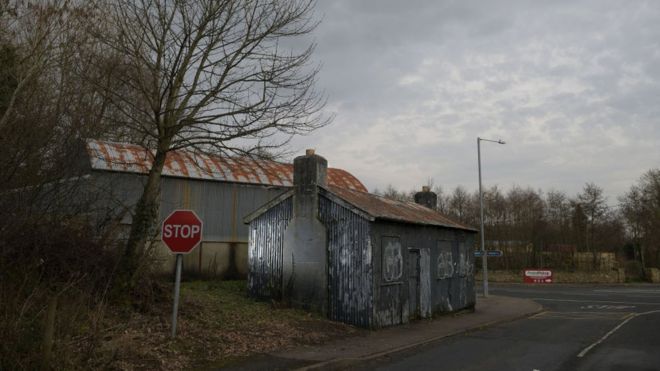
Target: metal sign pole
x=177, y=286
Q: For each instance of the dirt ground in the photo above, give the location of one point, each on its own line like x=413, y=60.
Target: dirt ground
x=217, y=324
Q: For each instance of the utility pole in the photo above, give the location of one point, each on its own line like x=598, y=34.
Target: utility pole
x=484, y=258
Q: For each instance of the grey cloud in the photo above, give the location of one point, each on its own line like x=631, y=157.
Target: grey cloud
x=573, y=85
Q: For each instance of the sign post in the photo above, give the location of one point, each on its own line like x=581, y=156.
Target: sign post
x=177, y=288
x=181, y=232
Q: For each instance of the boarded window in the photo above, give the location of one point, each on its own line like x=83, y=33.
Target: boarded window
x=445, y=262
x=392, y=259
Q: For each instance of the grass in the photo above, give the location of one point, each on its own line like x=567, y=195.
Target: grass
x=217, y=323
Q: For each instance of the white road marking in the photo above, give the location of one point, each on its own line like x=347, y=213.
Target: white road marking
x=581, y=315
x=631, y=291
x=634, y=315
x=596, y=301
x=607, y=307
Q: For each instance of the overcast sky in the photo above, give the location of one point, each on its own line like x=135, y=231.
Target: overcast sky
x=573, y=87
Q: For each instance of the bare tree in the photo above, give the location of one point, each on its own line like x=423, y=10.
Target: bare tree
x=558, y=215
x=210, y=75
x=460, y=204
x=640, y=208
x=594, y=207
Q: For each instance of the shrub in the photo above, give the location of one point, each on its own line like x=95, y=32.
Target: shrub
x=55, y=266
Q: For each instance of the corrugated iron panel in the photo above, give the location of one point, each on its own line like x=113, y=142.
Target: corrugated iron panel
x=384, y=208
x=221, y=205
x=133, y=158
x=452, y=264
x=265, y=250
x=350, y=274
x=425, y=301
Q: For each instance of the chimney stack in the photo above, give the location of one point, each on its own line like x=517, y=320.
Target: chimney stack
x=309, y=171
x=304, y=259
x=426, y=198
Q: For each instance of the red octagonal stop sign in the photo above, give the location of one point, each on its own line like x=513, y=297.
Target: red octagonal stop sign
x=182, y=231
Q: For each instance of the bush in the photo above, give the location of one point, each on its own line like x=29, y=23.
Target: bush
x=634, y=271
x=57, y=267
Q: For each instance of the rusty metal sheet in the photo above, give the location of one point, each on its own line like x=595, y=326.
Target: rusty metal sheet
x=131, y=158
x=400, y=211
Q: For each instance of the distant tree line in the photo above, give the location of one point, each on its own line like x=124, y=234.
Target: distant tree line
x=527, y=220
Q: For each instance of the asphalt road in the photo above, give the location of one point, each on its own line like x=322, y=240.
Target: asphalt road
x=582, y=328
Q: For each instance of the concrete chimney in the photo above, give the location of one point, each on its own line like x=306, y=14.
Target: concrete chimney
x=309, y=170
x=427, y=198
x=304, y=260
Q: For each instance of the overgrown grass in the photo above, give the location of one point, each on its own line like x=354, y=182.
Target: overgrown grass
x=217, y=323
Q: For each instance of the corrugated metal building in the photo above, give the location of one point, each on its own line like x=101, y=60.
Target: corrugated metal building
x=220, y=190
x=358, y=257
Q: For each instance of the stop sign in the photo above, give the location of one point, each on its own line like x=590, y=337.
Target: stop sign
x=182, y=231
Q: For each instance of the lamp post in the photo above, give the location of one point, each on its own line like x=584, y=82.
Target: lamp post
x=484, y=259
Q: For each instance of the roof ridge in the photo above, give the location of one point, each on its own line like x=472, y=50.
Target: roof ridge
x=117, y=156
x=395, y=209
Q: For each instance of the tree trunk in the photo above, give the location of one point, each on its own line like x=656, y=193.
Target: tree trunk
x=49, y=333
x=143, y=225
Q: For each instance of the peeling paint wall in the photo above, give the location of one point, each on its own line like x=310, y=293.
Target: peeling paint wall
x=265, y=250
x=350, y=264
x=425, y=304
x=445, y=278
x=454, y=271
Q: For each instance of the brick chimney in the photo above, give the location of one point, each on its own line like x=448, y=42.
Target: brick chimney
x=304, y=260
x=427, y=198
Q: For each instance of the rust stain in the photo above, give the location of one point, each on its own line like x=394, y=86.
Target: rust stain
x=181, y=163
x=140, y=157
x=383, y=208
x=234, y=213
x=117, y=157
x=122, y=158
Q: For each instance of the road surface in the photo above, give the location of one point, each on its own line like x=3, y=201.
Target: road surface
x=583, y=327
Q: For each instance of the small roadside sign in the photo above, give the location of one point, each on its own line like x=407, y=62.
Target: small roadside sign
x=489, y=253
x=181, y=232
x=537, y=276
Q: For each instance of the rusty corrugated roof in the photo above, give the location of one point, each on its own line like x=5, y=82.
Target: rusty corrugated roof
x=383, y=208
x=132, y=158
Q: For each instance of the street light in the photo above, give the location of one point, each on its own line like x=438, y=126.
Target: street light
x=484, y=261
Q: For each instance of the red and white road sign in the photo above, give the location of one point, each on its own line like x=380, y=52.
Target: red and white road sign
x=537, y=276
x=182, y=231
